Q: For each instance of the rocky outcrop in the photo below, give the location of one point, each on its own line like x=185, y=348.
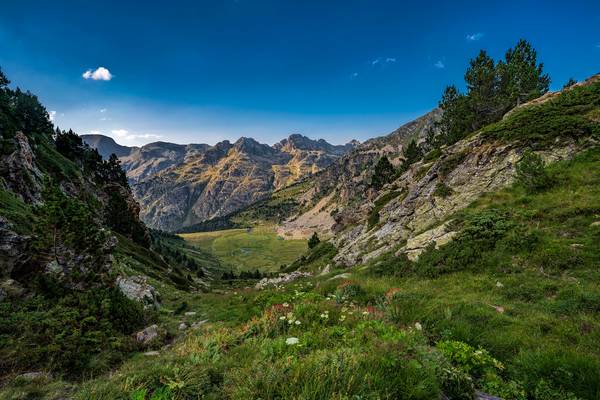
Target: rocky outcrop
x=137, y=288
x=181, y=185
x=281, y=279
x=437, y=236
x=147, y=335
x=13, y=248
x=410, y=223
x=20, y=172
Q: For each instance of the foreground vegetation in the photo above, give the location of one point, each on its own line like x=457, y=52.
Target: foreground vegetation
x=514, y=313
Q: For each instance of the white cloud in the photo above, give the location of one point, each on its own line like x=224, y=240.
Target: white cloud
x=354, y=75
x=439, y=64
x=598, y=46
x=51, y=115
x=125, y=135
x=103, y=110
x=474, y=36
x=120, y=132
x=380, y=60
x=100, y=74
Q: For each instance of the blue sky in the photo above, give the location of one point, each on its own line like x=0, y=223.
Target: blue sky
x=204, y=71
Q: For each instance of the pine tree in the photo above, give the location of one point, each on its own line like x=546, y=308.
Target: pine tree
x=384, y=172
x=3, y=80
x=521, y=77
x=457, y=116
x=313, y=241
x=412, y=153
x=569, y=83
x=482, y=90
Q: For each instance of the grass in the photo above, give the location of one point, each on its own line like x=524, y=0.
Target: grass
x=248, y=249
x=572, y=114
x=16, y=211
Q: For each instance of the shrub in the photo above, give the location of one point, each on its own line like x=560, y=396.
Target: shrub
x=349, y=291
x=442, y=190
x=68, y=331
x=531, y=173
x=313, y=241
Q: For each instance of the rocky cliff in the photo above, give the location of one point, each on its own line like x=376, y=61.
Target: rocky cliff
x=415, y=210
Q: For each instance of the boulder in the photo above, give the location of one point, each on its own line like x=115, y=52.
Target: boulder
x=199, y=323
x=282, y=278
x=147, y=335
x=325, y=270
x=33, y=376
x=137, y=288
x=10, y=288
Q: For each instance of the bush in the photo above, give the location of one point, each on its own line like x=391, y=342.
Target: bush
x=442, y=190
x=349, y=291
x=79, y=333
x=313, y=241
x=531, y=173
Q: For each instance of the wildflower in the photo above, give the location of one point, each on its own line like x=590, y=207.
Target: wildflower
x=292, y=341
x=342, y=318
x=290, y=315
x=344, y=309
x=324, y=316
x=365, y=313
x=418, y=326
x=290, y=321
x=282, y=318
x=499, y=284
x=285, y=305
x=297, y=322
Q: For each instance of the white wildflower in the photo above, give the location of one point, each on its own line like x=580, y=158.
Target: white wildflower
x=418, y=326
x=297, y=322
x=292, y=340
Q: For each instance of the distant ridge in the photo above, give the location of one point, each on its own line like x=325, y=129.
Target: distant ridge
x=182, y=185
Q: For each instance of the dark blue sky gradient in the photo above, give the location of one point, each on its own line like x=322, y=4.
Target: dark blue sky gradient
x=202, y=71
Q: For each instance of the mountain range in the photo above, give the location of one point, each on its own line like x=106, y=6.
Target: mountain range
x=181, y=185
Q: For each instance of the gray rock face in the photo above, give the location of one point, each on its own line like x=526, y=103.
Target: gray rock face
x=470, y=168
x=137, y=288
x=13, y=248
x=147, y=334
x=20, y=171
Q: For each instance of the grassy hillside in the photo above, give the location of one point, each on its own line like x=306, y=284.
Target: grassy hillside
x=516, y=313
x=257, y=248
